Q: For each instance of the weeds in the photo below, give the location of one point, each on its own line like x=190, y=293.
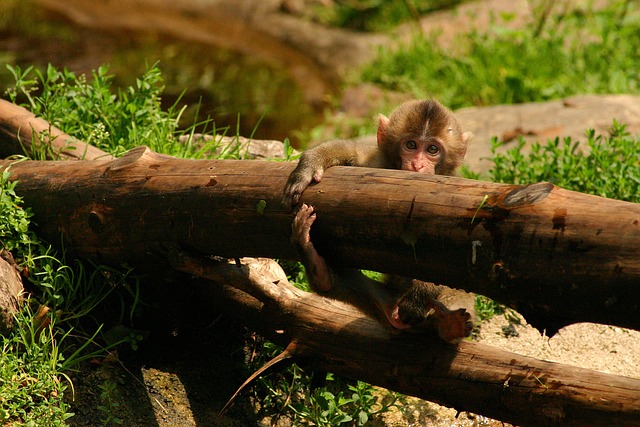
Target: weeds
x=577, y=51
x=14, y=221
x=608, y=166
x=290, y=393
x=31, y=384
x=117, y=120
x=110, y=404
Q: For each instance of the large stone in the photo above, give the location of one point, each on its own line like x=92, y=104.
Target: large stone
x=542, y=121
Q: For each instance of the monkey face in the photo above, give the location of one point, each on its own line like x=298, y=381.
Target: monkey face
x=422, y=136
x=418, y=155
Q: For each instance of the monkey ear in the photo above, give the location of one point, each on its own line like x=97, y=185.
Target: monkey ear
x=466, y=137
x=383, y=124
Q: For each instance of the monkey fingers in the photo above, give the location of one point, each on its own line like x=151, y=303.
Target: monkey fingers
x=299, y=180
x=301, y=227
x=318, y=272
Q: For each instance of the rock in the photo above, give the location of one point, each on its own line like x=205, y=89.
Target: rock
x=542, y=121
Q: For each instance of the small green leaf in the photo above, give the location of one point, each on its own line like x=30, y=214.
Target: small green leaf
x=261, y=206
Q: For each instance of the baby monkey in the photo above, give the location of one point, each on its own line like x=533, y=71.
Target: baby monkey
x=419, y=136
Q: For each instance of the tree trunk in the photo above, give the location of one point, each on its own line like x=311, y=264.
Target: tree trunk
x=335, y=337
x=556, y=256
x=11, y=291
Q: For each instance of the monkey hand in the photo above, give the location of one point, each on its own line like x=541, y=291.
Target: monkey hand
x=299, y=180
x=318, y=271
x=453, y=325
x=420, y=311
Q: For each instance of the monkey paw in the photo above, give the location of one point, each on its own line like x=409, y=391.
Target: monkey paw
x=428, y=314
x=301, y=226
x=454, y=325
x=298, y=181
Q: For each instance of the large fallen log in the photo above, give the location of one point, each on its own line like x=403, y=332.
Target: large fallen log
x=556, y=256
x=334, y=337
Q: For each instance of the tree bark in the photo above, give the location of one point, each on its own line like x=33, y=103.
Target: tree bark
x=11, y=291
x=335, y=337
x=556, y=256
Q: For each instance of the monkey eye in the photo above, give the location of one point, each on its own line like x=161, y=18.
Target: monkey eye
x=411, y=144
x=433, y=149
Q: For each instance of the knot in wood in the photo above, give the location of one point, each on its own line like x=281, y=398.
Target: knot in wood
x=528, y=195
x=96, y=222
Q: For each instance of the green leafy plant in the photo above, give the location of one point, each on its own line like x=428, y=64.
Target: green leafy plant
x=109, y=403
x=607, y=166
x=117, y=120
x=32, y=386
x=354, y=407
x=14, y=220
x=290, y=393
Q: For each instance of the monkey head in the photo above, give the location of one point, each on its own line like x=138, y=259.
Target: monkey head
x=422, y=136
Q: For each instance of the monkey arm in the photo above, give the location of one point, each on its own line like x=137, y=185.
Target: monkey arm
x=342, y=152
x=314, y=161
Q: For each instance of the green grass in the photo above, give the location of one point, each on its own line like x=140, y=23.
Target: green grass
x=581, y=51
x=377, y=15
x=33, y=362
x=31, y=384
x=116, y=120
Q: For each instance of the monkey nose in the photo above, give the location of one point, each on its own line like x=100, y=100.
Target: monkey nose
x=424, y=168
x=419, y=167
